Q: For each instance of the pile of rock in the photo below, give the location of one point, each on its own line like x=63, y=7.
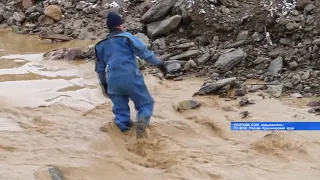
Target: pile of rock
x=218, y=39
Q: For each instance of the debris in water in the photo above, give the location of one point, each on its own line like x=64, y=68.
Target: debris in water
x=244, y=114
x=245, y=101
x=56, y=174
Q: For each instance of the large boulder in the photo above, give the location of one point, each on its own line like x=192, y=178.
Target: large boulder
x=230, y=59
x=53, y=12
x=162, y=27
x=158, y=11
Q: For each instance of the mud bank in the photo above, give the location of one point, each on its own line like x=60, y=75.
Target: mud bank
x=55, y=121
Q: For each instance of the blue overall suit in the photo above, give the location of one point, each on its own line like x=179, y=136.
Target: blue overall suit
x=118, y=72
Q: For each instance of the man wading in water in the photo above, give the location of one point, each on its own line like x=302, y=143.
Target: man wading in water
x=120, y=77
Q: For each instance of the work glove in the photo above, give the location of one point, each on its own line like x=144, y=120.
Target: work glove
x=163, y=69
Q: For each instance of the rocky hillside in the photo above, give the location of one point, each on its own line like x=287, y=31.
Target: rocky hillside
x=271, y=40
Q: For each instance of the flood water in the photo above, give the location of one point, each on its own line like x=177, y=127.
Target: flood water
x=52, y=114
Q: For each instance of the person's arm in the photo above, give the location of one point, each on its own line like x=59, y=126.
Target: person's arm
x=141, y=50
x=100, y=67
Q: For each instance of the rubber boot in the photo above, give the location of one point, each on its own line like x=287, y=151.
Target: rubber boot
x=141, y=126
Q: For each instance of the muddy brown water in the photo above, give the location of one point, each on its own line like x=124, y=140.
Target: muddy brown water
x=52, y=113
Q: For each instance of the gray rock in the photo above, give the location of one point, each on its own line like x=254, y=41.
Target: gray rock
x=134, y=26
x=292, y=25
x=307, y=89
x=175, y=61
x=261, y=66
x=6, y=15
x=185, y=55
x=296, y=79
x=275, y=66
x=316, y=42
x=261, y=60
x=144, y=39
x=213, y=75
x=288, y=85
x=249, y=76
x=296, y=95
x=228, y=60
x=182, y=8
x=34, y=16
x=184, y=45
x=162, y=27
x=158, y=11
x=301, y=4
x=205, y=58
x=285, y=41
x=64, y=54
x=299, y=87
x=19, y=17
x=81, y=5
x=293, y=65
x=186, y=105
x=189, y=65
x=315, y=49
x=243, y=35
x=174, y=67
x=240, y=91
x=214, y=87
x=257, y=37
x=307, y=95
x=275, y=90
x=306, y=75
x=310, y=8
x=315, y=74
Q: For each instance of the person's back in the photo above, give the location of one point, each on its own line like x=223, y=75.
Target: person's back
x=119, y=74
x=117, y=53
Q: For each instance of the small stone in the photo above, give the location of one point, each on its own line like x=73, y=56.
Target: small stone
x=297, y=95
x=309, y=8
x=257, y=37
x=306, y=75
x=299, y=87
x=285, y=41
x=316, y=42
x=240, y=91
x=249, y=76
x=275, y=90
x=81, y=5
x=186, y=105
x=205, y=58
x=275, y=66
x=293, y=65
x=288, y=85
x=243, y=35
x=174, y=67
x=315, y=49
x=296, y=79
x=19, y=17
x=43, y=20
x=307, y=89
x=292, y=26
x=307, y=95
x=295, y=13
x=34, y=16
x=185, y=55
x=213, y=75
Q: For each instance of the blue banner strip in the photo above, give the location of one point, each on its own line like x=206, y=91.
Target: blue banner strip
x=275, y=126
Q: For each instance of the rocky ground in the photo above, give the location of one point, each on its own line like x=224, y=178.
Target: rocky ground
x=272, y=41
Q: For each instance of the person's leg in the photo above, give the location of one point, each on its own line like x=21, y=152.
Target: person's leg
x=121, y=110
x=144, y=104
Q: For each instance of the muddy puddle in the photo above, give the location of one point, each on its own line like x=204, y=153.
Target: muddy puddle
x=54, y=121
